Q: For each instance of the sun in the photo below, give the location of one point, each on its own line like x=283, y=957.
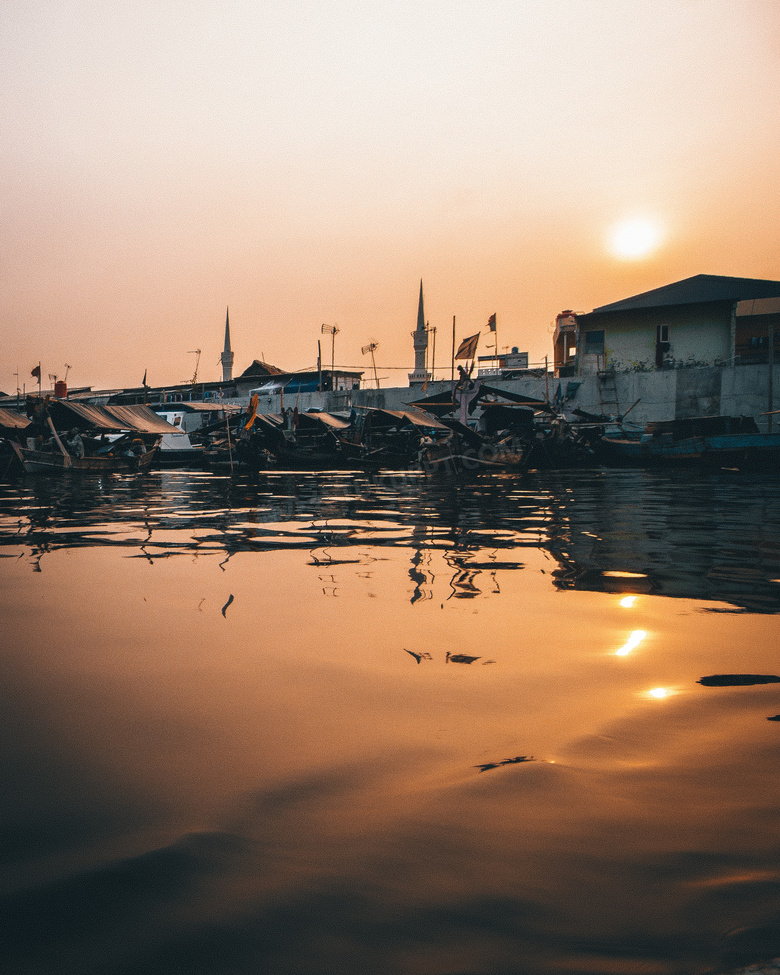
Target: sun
x=634, y=238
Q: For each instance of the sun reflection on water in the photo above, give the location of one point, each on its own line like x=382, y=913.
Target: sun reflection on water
x=636, y=637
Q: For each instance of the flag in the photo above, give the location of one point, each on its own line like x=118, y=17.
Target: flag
x=251, y=413
x=37, y=372
x=468, y=347
x=143, y=381
x=492, y=322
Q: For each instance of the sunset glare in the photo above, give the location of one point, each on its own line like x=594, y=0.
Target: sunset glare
x=303, y=163
x=633, y=239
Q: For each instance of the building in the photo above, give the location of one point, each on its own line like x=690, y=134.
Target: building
x=227, y=354
x=420, y=338
x=706, y=320
x=506, y=364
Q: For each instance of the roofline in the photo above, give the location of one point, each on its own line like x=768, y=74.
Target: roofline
x=740, y=288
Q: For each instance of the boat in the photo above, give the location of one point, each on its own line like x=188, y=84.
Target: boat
x=128, y=454
x=176, y=448
x=98, y=438
x=712, y=442
x=398, y=439
x=465, y=451
x=13, y=427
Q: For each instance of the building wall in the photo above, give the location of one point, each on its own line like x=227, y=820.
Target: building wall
x=698, y=335
x=664, y=394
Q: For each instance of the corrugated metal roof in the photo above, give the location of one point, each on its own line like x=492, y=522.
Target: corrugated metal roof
x=13, y=421
x=699, y=289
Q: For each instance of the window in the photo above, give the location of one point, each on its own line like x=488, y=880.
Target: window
x=662, y=333
x=594, y=342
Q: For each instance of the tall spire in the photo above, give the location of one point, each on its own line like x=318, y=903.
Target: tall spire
x=420, y=338
x=227, y=355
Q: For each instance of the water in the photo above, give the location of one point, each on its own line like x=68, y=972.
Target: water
x=272, y=724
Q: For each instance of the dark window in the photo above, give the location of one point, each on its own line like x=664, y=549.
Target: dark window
x=594, y=342
x=662, y=333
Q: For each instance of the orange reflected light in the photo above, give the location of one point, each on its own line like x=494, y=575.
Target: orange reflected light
x=632, y=643
x=628, y=601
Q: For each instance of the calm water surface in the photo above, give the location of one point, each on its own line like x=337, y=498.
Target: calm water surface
x=273, y=725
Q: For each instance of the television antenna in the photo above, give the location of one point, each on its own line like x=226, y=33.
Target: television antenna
x=372, y=347
x=333, y=331
x=195, y=352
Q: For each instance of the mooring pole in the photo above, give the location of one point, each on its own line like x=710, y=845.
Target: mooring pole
x=771, y=357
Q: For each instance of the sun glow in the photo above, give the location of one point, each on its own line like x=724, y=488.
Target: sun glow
x=634, y=238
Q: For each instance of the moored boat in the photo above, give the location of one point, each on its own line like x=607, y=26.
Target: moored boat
x=125, y=455
x=711, y=442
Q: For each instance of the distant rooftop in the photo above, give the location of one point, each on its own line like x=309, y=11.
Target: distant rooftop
x=699, y=289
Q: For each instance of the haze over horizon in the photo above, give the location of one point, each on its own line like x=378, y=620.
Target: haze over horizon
x=307, y=163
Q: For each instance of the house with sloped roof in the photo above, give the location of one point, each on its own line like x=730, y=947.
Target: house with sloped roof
x=705, y=320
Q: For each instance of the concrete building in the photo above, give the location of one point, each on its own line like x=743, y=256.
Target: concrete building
x=703, y=321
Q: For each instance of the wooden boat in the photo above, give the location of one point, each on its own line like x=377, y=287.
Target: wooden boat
x=711, y=442
x=101, y=438
x=465, y=451
x=125, y=455
x=13, y=427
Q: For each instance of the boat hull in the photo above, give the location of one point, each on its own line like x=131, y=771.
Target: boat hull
x=755, y=451
x=40, y=462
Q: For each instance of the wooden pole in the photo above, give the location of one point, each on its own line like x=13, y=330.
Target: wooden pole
x=453, y=349
x=771, y=357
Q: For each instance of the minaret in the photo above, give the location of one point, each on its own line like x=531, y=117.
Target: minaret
x=420, y=336
x=227, y=355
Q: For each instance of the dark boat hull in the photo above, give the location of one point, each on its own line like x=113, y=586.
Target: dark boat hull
x=40, y=462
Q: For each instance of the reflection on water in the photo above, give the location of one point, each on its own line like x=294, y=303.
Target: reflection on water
x=246, y=721
x=677, y=535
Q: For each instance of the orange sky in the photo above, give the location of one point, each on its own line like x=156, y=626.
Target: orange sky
x=309, y=162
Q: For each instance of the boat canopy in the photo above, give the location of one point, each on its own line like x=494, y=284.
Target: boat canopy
x=335, y=422
x=13, y=421
x=139, y=419
x=418, y=418
x=443, y=403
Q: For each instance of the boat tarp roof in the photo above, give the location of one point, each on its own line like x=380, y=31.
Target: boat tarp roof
x=139, y=419
x=445, y=403
x=336, y=422
x=418, y=418
x=13, y=421
x=270, y=419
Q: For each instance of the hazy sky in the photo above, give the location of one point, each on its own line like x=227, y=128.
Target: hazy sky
x=310, y=162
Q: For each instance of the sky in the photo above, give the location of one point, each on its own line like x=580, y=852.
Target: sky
x=309, y=163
